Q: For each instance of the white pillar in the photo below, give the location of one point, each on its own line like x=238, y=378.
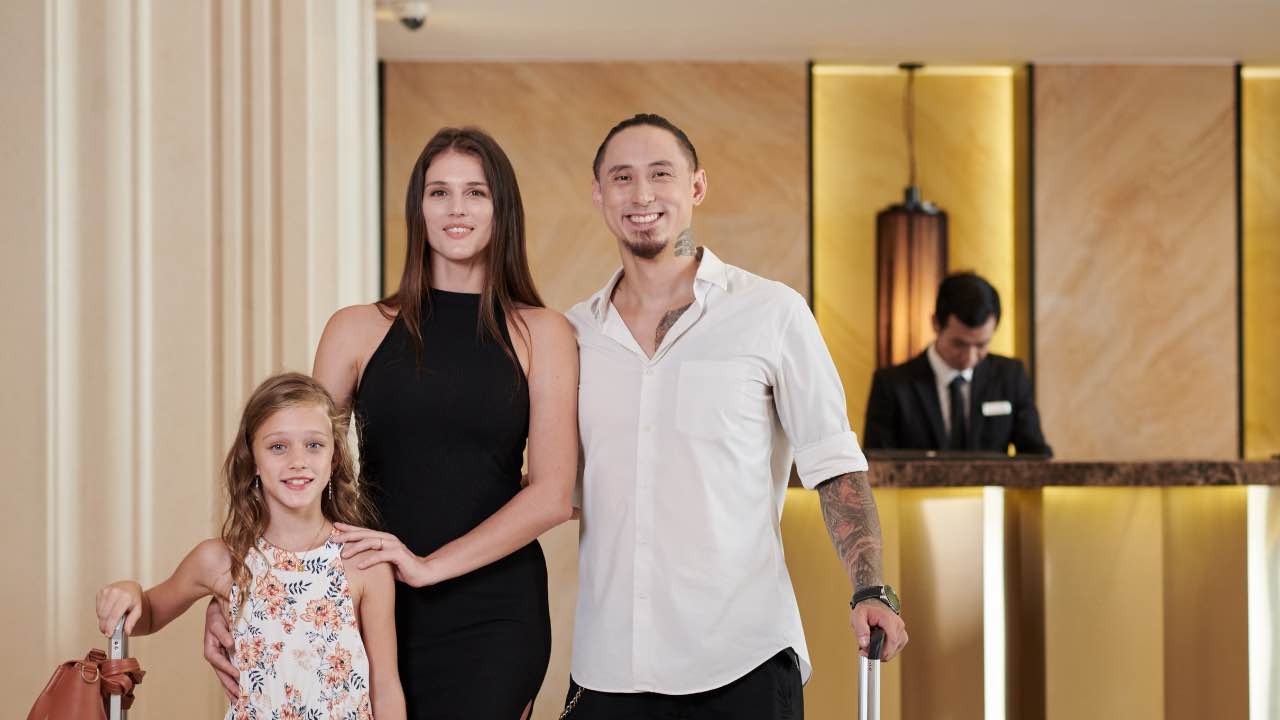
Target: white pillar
x=189, y=190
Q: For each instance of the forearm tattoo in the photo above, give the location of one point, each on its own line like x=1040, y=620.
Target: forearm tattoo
x=854, y=527
x=684, y=243
x=667, y=322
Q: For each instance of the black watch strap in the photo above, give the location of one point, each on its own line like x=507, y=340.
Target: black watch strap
x=883, y=593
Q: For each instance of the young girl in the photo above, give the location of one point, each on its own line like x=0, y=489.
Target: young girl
x=314, y=636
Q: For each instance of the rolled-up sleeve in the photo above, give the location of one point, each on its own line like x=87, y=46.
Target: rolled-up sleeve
x=810, y=401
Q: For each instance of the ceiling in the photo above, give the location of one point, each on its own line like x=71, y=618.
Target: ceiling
x=934, y=31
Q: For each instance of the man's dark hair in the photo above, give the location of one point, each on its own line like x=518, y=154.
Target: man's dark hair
x=655, y=121
x=967, y=296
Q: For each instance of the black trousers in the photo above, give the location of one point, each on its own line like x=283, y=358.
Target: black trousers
x=770, y=692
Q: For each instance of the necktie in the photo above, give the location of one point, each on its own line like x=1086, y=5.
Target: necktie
x=959, y=439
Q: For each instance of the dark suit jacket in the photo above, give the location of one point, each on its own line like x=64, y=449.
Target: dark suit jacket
x=903, y=411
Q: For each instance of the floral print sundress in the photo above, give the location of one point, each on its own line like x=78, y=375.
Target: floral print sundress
x=297, y=643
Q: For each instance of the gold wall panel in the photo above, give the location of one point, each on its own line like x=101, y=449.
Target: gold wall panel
x=966, y=122
x=1260, y=150
x=1146, y=612
x=746, y=120
x=1024, y=604
x=1135, y=275
x=748, y=124
x=1103, y=609
x=1206, y=609
x=942, y=585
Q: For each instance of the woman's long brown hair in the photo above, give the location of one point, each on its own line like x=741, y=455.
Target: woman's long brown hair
x=507, y=280
x=247, y=514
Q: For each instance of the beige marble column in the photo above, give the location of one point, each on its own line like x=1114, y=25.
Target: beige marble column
x=189, y=191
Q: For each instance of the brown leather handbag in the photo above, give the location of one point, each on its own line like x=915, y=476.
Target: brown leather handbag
x=80, y=689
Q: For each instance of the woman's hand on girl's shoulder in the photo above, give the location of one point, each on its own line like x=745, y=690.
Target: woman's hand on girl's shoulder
x=364, y=548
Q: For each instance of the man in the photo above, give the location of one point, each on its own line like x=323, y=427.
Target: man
x=697, y=381
x=955, y=395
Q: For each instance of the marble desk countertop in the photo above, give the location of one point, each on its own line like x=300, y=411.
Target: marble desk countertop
x=1030, y=474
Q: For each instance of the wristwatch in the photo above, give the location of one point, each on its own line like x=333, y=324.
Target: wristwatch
x=883, y=593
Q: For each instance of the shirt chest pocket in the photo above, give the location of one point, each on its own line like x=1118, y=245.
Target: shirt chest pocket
x=711, y=398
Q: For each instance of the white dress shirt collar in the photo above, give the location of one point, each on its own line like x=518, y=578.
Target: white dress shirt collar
x=711, y=269
x=943, y=372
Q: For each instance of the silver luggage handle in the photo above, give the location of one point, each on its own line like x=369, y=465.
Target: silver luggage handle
x=869, y=677
x=119, y=650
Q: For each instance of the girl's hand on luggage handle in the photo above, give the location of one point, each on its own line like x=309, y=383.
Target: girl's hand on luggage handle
x=115, y=601
x=218, y=646
x=384, y=547
x=874, y=612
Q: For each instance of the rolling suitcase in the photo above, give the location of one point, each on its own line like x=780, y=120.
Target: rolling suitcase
x=869, y=678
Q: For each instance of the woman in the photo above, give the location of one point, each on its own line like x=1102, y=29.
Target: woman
x=448, y=377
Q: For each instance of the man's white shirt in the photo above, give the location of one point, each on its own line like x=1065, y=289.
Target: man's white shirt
x=683, y=585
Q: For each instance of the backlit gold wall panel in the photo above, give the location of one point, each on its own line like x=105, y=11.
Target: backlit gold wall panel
x=966, y=123
x=748, y=124
x=1145, y=607
x=1260, y=141
x=1024, y=603
x=1103, y=609
x=942, y=574
x=1206, y=609
x=746, y=120
x=1135, y=276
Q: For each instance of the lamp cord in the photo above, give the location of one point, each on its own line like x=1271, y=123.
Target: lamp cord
x=909, y=122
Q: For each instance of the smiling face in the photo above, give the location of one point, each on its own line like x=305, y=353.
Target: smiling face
x=647, y=189
x=293, y=457
x=457, y=206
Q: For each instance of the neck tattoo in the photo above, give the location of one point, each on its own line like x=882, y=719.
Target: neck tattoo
x=684, y=243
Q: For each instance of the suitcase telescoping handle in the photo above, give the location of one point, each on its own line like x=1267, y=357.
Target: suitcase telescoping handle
x=119, y=650
x=869, y=677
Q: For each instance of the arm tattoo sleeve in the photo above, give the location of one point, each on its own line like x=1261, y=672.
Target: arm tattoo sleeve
x=667, y=322
x=854, y=526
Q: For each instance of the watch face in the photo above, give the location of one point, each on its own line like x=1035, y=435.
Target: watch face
x=891, y=597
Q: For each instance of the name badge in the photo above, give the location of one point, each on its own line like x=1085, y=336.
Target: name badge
x=997, y=407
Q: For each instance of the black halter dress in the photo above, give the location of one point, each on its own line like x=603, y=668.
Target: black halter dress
x=441, y=446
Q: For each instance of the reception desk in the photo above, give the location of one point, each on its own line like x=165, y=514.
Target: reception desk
x=1060, y=590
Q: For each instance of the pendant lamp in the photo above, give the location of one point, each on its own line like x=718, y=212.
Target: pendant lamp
x=911, y=257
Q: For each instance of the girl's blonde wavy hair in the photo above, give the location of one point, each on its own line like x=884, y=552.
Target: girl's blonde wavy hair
x=247, y=515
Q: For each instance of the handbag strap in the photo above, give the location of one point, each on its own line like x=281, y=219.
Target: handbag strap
x=119, y=678
x=86, y=671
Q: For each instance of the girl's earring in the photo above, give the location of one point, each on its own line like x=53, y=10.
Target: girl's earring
x=257, y=482
x=330, y=493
